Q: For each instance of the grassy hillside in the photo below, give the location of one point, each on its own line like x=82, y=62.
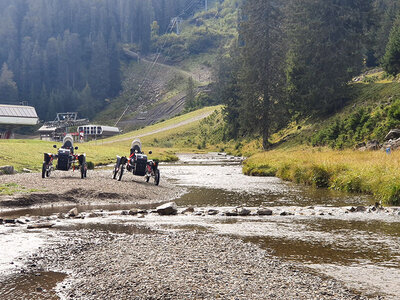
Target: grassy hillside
x=191, y=54
x=319, y=151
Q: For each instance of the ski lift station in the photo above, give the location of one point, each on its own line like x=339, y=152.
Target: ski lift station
x=79, y=129
x=14, y=116
x=90, y=132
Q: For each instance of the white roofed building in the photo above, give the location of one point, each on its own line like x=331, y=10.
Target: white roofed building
x=18, y=115
x=14, y=116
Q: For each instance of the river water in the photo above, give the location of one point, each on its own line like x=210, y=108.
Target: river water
x=362, y=249
x=316, y=230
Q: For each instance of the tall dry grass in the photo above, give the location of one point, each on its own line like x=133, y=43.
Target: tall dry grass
x=375, y=173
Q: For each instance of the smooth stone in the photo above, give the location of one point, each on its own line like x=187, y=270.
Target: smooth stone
x=242, y=211
x=8, y=170
x=40, y=225
x=167, y=209
x=73, y=212
x=212, y=212
x=188, y=210
x=264, y=212
x=231, y=212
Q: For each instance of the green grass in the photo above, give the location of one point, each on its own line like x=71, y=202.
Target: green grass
x=164, y=145
x=13, y=188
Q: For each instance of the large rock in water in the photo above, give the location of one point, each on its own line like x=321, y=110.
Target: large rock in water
x=167, y=209
x=72, y=213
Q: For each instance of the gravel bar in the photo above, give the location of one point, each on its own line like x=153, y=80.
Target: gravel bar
x=178, y=265
x=97, y=188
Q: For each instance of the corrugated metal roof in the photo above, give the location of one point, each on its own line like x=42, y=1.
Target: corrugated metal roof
x=45, y=128
x=17, y=111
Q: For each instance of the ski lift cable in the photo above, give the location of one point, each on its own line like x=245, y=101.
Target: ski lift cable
x=159, y=50
x=175, y=20
x=189, y=6
x=146, y=75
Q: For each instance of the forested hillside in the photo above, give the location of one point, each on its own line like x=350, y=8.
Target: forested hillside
x=275, y=62
x=296, y=59
x=65, y=55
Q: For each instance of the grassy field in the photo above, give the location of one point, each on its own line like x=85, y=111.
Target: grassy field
x=29, y=153
x=375, y=173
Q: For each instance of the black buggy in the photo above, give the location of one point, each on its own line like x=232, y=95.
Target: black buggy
x=138, y=164
x=66, y=159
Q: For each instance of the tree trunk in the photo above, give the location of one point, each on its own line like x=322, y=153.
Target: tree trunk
x=265, y=122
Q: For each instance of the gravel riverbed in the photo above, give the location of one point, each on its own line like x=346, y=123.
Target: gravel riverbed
x=179, y=265
x=148, y=263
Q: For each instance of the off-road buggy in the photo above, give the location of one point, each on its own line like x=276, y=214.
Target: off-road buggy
x=66, y=159
x=138, y=164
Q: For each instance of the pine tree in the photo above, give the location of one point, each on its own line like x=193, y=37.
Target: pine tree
x=8, y=87
x=391, y=60
x=326, y=41
x=190, y=94
x=99, y=72
x=115, y=65
x=261, y=74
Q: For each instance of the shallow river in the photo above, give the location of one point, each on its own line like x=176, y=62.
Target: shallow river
x=361, y=249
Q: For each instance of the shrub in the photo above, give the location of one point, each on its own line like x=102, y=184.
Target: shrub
x=392, y=197
x=90, y=165
x=320, y=177
x=201, y=39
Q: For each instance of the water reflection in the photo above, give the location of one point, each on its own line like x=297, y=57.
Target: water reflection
x=31, y=286
x=200, y=197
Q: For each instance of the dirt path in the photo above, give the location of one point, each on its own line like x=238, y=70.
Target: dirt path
x=194, y=119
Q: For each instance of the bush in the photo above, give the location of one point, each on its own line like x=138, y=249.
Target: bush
x=320, y=177
x=201, y=39
x=90, y=165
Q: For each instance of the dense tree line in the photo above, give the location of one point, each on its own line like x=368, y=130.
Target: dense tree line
x=64, y=55
x=296, y=57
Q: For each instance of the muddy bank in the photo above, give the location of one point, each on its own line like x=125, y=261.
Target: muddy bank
x=177, y=265
x=97, y=188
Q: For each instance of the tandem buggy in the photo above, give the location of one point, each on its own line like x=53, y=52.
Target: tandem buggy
x=66, y=159
x=138, y=164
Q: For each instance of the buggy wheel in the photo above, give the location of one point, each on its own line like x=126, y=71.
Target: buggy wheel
x=157, y=177
x=83, y=171
x=48, y=173
x=121, y=172
x=44, y=170
x=147, y=178
x=116, y=169
x=115, y=172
